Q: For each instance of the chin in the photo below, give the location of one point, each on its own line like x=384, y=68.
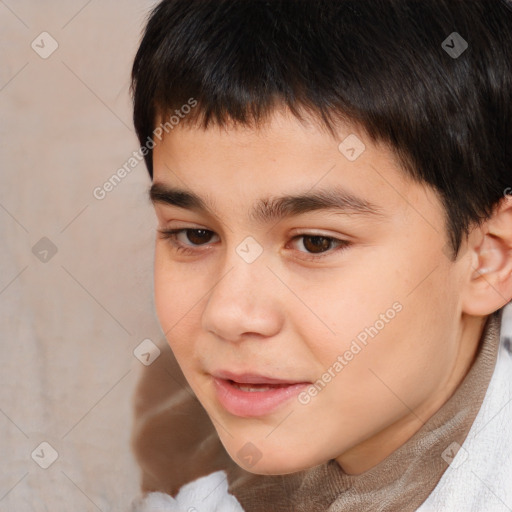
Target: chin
x=267, y=465
x=271, y=469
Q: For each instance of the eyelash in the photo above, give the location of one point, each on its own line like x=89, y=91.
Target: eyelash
x=171, y=234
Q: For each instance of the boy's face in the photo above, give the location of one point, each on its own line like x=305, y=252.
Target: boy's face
x=374, y=321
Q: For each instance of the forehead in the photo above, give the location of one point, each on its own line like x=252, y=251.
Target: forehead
x=242, y=168
x=282, y=142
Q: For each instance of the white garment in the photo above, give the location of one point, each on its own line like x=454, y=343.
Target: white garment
x=479, y=478
x=206, y=494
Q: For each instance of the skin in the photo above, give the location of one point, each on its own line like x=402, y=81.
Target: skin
x=289, y=316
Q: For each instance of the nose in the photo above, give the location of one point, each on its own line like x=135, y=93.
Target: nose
x=243, y=302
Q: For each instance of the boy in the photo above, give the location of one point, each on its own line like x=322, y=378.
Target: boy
x=334, y=243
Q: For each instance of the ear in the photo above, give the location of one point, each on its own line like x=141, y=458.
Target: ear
x=489, y=285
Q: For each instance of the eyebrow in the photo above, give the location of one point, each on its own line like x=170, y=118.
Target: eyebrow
x=271, y=209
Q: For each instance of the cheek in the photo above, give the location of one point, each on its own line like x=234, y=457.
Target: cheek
x=382, y=380
x=407, y=360
x=177, y=293
x=346, y=302
x=389, y=316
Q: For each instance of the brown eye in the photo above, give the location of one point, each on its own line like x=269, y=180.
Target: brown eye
x=313, y=247
x=317, y=244
x=198, y=236
x=186, y=239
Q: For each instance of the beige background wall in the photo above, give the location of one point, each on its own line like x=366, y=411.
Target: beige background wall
x=69, y=325
x=70, y=321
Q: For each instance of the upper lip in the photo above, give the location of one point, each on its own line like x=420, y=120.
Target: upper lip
x=251, y=378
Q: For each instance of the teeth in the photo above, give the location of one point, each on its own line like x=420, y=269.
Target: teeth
x=247, y=387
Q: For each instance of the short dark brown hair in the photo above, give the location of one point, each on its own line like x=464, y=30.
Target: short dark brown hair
x=400, y=69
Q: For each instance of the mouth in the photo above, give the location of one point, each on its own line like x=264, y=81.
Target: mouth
x=251, y=395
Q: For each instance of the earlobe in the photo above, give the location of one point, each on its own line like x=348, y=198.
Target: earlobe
x=489, y=285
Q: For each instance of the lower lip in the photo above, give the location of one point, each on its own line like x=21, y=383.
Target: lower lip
x=251, y=404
